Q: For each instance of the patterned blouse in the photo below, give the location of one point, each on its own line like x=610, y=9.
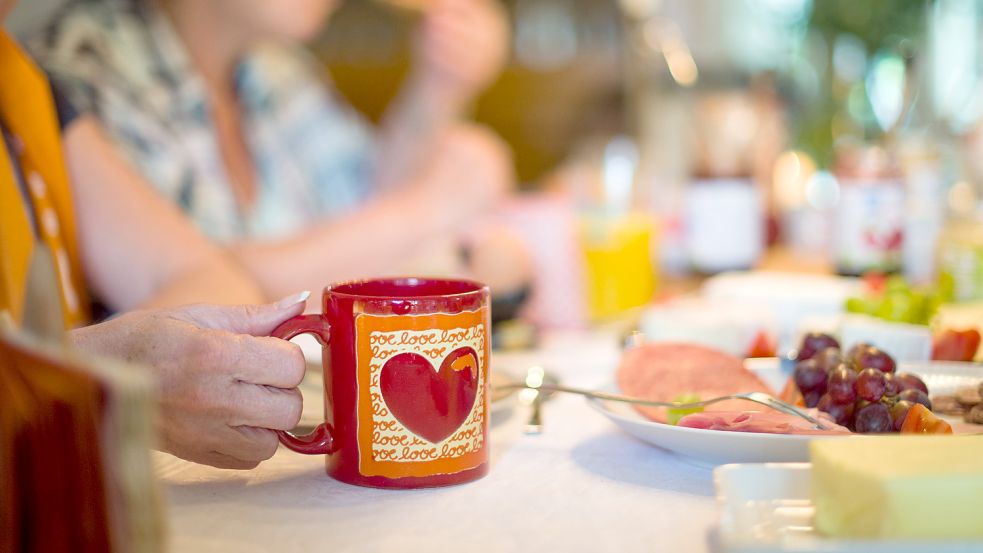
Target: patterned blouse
x=123, y=61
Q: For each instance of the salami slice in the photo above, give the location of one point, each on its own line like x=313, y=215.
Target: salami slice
x=663, y=371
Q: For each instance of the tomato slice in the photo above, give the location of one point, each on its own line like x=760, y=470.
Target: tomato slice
x=762, y=346
x=956, y=345
x=922, y=421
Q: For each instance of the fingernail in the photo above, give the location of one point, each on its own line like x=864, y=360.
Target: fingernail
x=293, y=299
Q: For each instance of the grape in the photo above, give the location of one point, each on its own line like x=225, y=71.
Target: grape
x=811, y=398
x=857, y=406
x=916, y=396
x=873, y=358
x=829, y=358
x=810, y=377
x=898, y=412
x=841, y=413
x=873, y=418
x=813, y=343
x=893, y=386
x=840, y=385
x=908, y=381
x=853, y=354
x=870, y=385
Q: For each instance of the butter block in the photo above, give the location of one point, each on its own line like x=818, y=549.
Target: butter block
x=899, y=487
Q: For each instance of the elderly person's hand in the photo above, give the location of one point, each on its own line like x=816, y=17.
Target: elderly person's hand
x=224, y=386
x=461, y=47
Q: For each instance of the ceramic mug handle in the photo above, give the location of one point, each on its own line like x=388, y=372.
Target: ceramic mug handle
x=321, y=441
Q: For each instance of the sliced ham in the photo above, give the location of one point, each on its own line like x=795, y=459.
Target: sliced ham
x=664, y=371
x=766, y=422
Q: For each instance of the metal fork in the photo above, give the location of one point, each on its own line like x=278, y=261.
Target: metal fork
x=760, y=398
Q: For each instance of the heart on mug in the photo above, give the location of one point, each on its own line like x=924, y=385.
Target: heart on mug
x=430, y=403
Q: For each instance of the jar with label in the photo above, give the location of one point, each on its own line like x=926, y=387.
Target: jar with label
x=725, y=224
x=868, y=229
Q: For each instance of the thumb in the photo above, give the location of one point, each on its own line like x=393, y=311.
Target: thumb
x=256, y=320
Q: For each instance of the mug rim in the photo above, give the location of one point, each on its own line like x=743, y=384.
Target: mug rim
x=336, y=288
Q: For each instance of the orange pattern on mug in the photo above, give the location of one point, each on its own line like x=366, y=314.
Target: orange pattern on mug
x=422, y=382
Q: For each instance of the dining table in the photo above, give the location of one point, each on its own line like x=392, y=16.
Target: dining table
x=580, y=484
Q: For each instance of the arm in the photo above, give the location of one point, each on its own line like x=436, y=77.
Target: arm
x=470, y=169
x=137, y=249
x=460, y=48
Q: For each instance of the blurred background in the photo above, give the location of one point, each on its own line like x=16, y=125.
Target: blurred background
x=693, y=137
x=846, y=133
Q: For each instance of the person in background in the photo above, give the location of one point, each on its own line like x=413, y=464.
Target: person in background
x=219, y=108
x=224, y=387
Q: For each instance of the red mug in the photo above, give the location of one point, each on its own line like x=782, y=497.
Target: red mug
x=405, y=382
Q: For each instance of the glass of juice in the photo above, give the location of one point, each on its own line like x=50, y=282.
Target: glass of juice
x=618, y=262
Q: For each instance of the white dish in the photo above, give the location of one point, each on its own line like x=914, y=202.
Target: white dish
x=945, y=377
x=707, y=447
x=905, y=342
x=715, y=447
x=766, y=508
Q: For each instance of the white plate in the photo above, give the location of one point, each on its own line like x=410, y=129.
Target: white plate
x=715, y=447
x=707, y=447
x=766, y=508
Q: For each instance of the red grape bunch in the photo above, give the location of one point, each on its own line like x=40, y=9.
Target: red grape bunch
x=859, y=389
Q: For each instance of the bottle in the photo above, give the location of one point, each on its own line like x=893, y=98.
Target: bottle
x=924, y=212
x=868, y=228
x=723, y=207
x=960, y=255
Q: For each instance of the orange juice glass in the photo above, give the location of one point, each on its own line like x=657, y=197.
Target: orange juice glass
x=618, y=260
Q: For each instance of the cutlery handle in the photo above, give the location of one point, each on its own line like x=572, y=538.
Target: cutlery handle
x=321, y=441
x=535, y=423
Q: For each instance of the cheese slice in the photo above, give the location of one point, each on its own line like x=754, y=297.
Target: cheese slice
x=899, y=487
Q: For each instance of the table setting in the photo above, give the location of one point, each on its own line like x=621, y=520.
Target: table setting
x=579, y=485
x=563, y=470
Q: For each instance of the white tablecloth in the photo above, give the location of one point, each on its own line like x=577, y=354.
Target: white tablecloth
x=581, y=485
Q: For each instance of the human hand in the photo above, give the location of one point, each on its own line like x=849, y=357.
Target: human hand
x=223, y=385
x=460, y=48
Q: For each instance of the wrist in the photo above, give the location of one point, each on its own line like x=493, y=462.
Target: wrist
x=435, y=96
x=111, y=338
x=90, y=340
